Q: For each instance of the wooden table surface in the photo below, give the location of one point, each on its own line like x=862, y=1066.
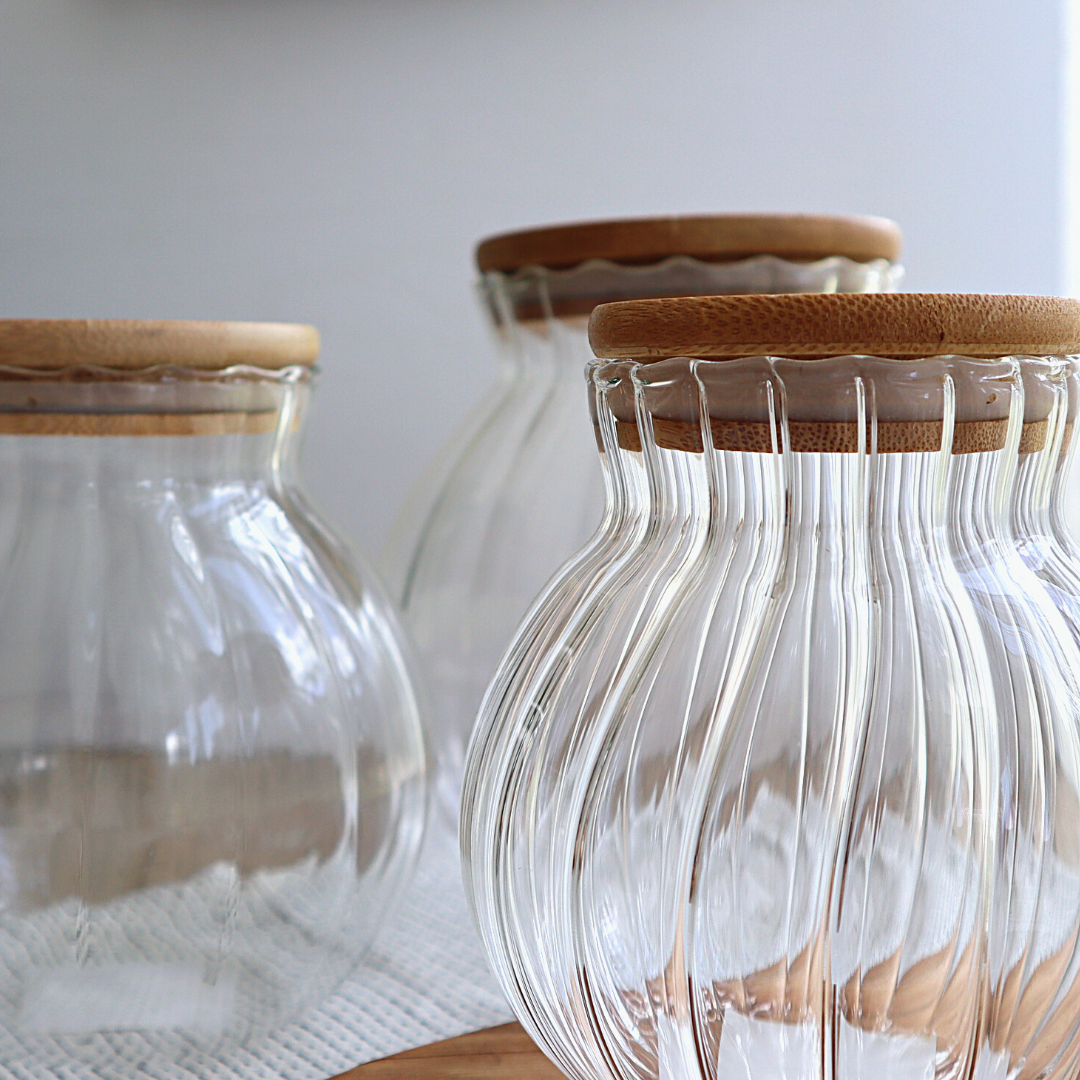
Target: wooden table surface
x=498, y=1053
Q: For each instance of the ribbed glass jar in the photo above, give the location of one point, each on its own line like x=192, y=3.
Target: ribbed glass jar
x=781, y=778
x=212, y=775
x=517, y=489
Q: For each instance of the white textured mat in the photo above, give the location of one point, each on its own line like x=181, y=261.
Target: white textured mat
x=425, y=979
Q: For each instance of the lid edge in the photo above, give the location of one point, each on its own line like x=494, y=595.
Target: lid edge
x=708, y=237
x=133, y=344
x=901, y=325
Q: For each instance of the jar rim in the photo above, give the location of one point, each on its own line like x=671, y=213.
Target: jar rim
x=80, y=372
x=163, y=400
x=540, y=292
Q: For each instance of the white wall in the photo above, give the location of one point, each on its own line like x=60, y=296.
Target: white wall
x=1071, y=147
x=334, y=161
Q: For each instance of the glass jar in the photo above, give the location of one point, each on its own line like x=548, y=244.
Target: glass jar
x=212, y=776
x=518, y=490
x=781, y=777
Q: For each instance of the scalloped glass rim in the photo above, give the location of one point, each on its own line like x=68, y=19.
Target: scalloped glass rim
x=596, y=365
x=722, y=272
x=159, y=373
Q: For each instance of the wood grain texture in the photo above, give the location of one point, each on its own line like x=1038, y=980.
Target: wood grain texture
x=1033, y=437
x=711, y=238
x=838, y=324
x=132, y=344
x=816, y=437
x=138, y=424
x=498, y=1053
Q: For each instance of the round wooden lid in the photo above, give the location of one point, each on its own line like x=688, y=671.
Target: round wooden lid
x=132, y=344
x=710, y=238
x=837, y=324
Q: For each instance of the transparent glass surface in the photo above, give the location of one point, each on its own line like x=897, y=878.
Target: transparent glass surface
x=780, y=776
x=212, y=775
x=518, y=489
x=1045, y=541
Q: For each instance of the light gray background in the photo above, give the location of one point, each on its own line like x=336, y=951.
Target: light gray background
x=334, y=161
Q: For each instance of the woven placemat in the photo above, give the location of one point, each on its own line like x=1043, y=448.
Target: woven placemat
x=424, y=980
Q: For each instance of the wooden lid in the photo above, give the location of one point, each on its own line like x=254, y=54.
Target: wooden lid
x=132, y=344
x=710, y=238
x=838, y=324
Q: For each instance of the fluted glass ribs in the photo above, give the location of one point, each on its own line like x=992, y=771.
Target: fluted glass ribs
x=781, y=778
x=211, y=765
x=518, y=490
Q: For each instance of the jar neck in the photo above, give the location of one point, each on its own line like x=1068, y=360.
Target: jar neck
x=1052, y=393
x=963, y=420
x=1062, y=463
x=626, y=481
x=1031, y=517
x=152, y=427
x=540, y=314
x=1043, y=538
x=541, y=292
x=544, y=348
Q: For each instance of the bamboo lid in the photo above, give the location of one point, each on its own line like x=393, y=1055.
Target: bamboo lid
x=132, y=344
x=710, y=238
x=839, y=324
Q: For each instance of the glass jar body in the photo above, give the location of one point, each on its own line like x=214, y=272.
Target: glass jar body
x=754, y=784
x=212, y=778
x=518, y=489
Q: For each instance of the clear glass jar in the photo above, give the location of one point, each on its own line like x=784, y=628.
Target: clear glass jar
x=517, y=490
x=212, y=774
x=781, y=777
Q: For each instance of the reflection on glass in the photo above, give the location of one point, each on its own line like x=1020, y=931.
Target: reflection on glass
x=211, y=766
x=780, y=778
x=518, y=488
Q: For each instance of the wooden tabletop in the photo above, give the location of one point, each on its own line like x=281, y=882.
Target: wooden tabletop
x=498, y=1053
